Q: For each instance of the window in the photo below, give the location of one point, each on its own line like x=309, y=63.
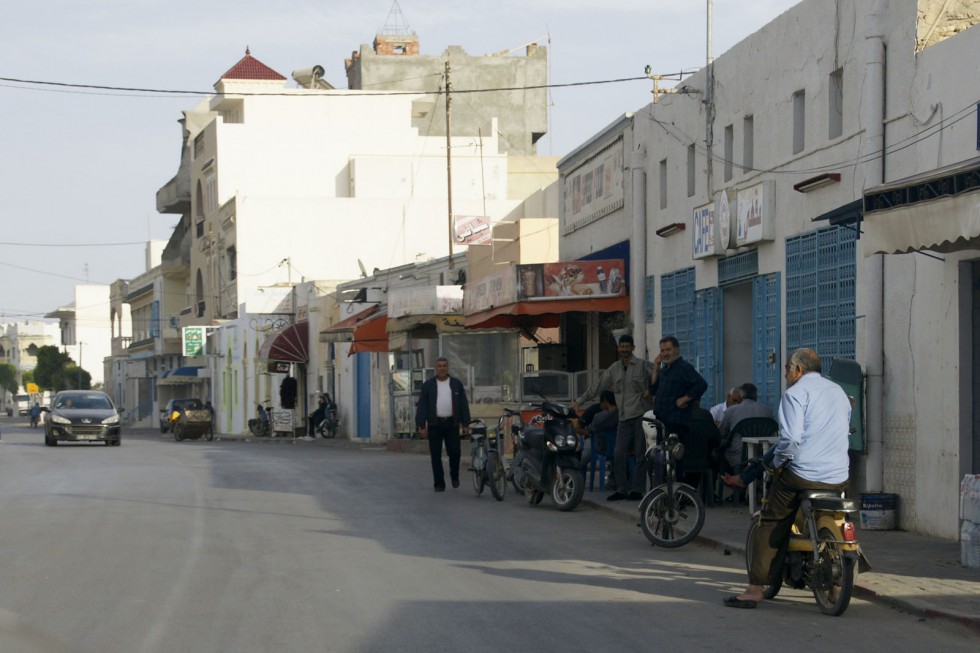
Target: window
x=649, y=304
x=729, y=151
x=232, y=259
x=799, y=121
x=199, y=145
x=748, y=143
x=485, y=362
x=663, y=184
x=820, y=291
x=835, y=92
x=677, y=307
x=211, y=193
x=691, y=164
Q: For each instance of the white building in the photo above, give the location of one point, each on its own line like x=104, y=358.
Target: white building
x=753, y=242
x=86, y=329
x=293, y=184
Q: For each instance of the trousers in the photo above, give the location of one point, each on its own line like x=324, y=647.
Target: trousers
x=437, y=434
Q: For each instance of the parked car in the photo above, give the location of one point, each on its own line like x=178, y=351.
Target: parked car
x=82, y=416
x=173, y=410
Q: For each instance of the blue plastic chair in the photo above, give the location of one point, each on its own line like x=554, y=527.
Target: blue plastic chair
x=597, y=463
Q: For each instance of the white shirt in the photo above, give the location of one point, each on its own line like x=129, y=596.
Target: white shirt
x=444, y=399
x=718, y=411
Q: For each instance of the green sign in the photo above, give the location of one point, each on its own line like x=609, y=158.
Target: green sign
x=193, y=341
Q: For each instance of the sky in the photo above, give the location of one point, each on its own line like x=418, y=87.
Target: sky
x=80, y=168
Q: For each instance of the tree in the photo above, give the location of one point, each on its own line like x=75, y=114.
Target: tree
x=8, y=378
x=55, y=370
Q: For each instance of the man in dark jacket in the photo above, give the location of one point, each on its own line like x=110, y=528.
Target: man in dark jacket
x=676, y=387
x=440, y=414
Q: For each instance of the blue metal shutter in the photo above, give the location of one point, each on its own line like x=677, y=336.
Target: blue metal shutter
x=155, y=319
x=820, y=277
x=766, y=355
x=707, y=355
x=677, y=306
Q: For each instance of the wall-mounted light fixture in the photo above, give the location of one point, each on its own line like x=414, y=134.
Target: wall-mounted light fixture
x=819, y=181
x=670, y=229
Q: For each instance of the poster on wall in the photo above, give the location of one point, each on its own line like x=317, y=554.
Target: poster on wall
x=593, y=189
x=604, y=278
x=754, y=211
x=193, y=340
x=472, y=229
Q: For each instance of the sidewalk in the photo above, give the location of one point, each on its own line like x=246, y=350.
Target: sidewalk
x=915, y=573
x=919, y=574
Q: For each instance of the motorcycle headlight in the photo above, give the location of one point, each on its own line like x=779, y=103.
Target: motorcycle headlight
x=58, y=419
x=677, y=451
x=111, y=421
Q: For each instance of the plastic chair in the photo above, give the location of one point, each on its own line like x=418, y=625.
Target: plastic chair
x=702, y=433
x=750, y=427
x=597, y=463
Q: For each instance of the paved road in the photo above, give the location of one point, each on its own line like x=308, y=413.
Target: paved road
x=158, y=546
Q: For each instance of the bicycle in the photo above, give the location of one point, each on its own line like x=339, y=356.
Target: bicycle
x=485, y=461
x=671, y=513
x=260, y=425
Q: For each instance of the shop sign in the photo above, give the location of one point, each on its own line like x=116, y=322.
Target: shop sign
x=496, y=289
x=754, y=211
x=193, y=340
x=561, y=280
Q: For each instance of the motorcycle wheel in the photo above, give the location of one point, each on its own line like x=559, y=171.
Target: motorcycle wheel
x=768, y=591
x=675, y=526
x=568, y=489
x=517, y=478
x=497, y=478
x=479, y=481
x=832, y=578
x=534, y=497
x=209, y=435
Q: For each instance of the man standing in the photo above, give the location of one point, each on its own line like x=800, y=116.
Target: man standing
x=440, y=414
x=628, y=378
x=676, y=387
x=811, y=454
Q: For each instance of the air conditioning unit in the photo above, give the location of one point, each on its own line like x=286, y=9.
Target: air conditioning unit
x=174, y=321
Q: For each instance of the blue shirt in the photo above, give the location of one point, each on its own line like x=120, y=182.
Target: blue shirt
x=814, y=420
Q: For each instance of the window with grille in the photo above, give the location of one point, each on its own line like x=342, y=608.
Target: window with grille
x=677, y=307
x=820, y=274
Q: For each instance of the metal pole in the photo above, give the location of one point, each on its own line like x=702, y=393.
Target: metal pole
x=709, y=105
x=449, y=165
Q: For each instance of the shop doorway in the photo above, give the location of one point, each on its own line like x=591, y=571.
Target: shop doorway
x=737, y=367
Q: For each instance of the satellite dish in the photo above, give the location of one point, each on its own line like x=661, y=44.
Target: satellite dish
x=360, y=264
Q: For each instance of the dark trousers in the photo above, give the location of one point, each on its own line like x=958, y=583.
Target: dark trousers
x=437, y=433
x=777, y=522
x=315, y=418
x=630, y=440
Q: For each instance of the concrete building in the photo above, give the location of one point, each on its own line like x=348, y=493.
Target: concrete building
x=86, y=330
x=749, y=190
x=281, y=185
x=19, y=342
x=394, y=62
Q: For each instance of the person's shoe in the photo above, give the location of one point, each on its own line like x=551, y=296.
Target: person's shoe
x=635, y=496
x=455, y=482
x=440, y=488
x=616, y=496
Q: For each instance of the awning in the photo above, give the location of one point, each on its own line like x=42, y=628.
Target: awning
x=529, y=315
x=371, y=335
x=288, y=344
x=343, y=331
x=183, y=376
x=421, y=327
x=938, y=211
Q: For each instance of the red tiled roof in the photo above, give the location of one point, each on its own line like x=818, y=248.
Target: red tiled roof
x=251, y=68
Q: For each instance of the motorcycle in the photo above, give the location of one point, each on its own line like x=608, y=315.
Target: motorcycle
x=551, y=458
x=327, y=428
x=822, y=552
x=260, y=425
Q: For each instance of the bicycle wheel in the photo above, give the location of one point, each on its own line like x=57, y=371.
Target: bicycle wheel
x=497, y=477
x=671, y=521
x=832, y=579
x=768, y=591
x=479, y=472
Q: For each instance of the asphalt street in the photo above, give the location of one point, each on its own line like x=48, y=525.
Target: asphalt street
x=257, y=546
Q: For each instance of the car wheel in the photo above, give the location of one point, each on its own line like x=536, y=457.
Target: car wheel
x=50, y=442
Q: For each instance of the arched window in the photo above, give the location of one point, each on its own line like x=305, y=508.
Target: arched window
x=199, y=293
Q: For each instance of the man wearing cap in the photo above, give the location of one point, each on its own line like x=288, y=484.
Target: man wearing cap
x=628, y=378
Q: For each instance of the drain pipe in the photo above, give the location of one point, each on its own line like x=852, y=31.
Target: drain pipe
x=638, y=243
x=873, y=122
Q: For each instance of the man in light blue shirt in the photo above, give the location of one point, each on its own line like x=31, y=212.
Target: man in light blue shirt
x=814, y=420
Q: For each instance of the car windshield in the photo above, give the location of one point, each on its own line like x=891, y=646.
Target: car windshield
x=84, y=401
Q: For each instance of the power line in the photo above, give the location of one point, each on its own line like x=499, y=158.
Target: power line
x=13, y=244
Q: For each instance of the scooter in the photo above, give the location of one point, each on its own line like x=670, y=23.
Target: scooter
x=822, y=552
x=552, y=458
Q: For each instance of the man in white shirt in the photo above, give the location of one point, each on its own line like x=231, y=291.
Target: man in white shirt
x=441, y=413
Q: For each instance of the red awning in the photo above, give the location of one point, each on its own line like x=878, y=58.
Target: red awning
x=371, y=335
x=288, y=344
x=542, y=314
x=344, y=330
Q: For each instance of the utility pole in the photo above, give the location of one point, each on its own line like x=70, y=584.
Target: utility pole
x=449, y=164
x=709, y=106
